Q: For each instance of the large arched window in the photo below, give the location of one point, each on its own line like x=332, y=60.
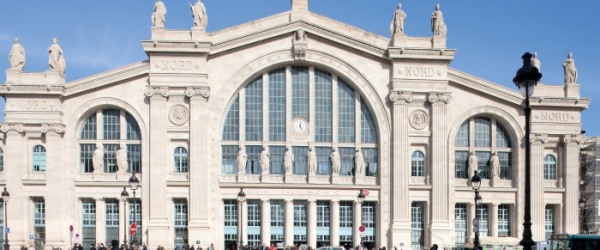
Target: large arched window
x=549, y=167
x=484, y=136
x=39, y=158
x=417, y=164
x=296, y=106
x=180, y=159
x=100, y=138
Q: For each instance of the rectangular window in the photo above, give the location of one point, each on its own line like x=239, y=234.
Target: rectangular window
x=368, y=132
x=39, y=223
x=39, y=158
x=549, y=222
x=347, y=161
x=416, y=218
x=134, y=158
x=300, y=156
x=181, y=218
x=276, y=166
x=88, y=222
x=254, y=214
x=277, y=220
x=483, y=132
x=112, y=221
x=231, y=130
x=135, y=211
x=368, y=220
x=346, y=110
x=504, y=220
x=277, y=105
x=323, y=214
x=254, y=109
x=371, y=161
x=300, y=92
x=462, y=135
x=89, y=128
x=482, y=216
x=110, y=158
x=346, y=221
x=323, y=161
x=112, y=124
x=86, y=156
x=133, y=129
x=483, y=164
x=230, y=220
x=460, y=164
x=323, y=106
x=229, y=159
x=253, y=163
x=505, y=165
x=460, y=224
x=300, y=221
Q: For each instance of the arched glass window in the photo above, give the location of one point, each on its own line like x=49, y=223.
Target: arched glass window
x=295, y=105
x=417, y=164
x=101, y=136
x=39, y=158
x=549, y=167
x=180, y=159
x=475, y=135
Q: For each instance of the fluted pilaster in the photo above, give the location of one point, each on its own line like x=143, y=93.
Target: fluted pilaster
x=15, y=166
x=54, y=196
x=571, y=182
x=439, y=153
x=400, y=147
x=538, y=204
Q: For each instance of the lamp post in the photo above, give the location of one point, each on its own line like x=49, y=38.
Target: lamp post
x=124, y=197
x=134, y=183
x=476, y=184
x=360, y=199
x=241, y=197
x=582, y=216
x=526, y=79
x=5, y=197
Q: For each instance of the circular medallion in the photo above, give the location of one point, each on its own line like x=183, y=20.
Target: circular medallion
x=179, y=115
x=419, y=119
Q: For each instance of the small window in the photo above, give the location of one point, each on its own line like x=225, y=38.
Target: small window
x=39, y=158
x=417, y=163
x=549, y=167
x=181, y=160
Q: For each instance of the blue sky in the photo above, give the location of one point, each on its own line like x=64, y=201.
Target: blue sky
x=490, y=36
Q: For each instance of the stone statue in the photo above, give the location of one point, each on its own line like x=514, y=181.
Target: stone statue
x=335, y=161
x=300, y=36
x=438, y=26
x=397, y=25
x=495, y=163
x=17, y=56
x=159, y=14
x=312, y=160
x=97, y=159
x=199, y=15
x=359, y=162
x=265, y=160
x=472, y=164
x=535, y=62
x=288, y=160
x=122, y=162
x=242, y=158
x=570, y=70
x=56, y=61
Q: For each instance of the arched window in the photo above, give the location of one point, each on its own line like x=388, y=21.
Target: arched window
x=180, y=159
x=101, y=136
x=549, y=167
x=295, y=104
x=417, y=164
x=484, y=136
x=39, y=158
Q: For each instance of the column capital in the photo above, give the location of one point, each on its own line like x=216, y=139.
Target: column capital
x=574, y=140
x=195, y=91
x=12, y=127
x=539, y=139
x=50, y=129
x=152, y=91
x=439, y=97
x=401, y=97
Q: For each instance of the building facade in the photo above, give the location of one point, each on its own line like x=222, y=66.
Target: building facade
x=590, y=188
x=302, y=112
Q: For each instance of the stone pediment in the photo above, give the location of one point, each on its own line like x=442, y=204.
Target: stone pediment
x=111, y=77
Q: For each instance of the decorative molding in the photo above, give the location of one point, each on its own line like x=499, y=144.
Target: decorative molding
x=573, y=139
x=179, y=115
x=419, y=119
x=435, y=97
x=203, y=91
x=401, y=97
x=157, y=90
x=299, y=45
x=57, y=128
x=539, y=139
x=17, y=127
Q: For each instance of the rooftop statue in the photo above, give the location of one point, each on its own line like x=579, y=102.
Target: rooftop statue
x=199, y=15
x=570, y=70
x=17, y=56
x=397, y=25
x=56, y=61
x=438, y=26
x=159, y=14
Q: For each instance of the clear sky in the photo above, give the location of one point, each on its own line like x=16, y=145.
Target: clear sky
x=490, y=36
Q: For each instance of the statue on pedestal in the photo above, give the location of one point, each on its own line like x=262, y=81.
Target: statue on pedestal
x=472, y=165
x=56, y=60
x=199, y=15
x=242, y=158
x=397, y=25
x=159, y=14
x=359, y=163
x=265, y=160
x=17, y=56
x=312, y=160
x=288, y=160
x=335, y=161
x=97, y=159
x=438, y=26
x=570, y=70
x=495, y=163
x=122, y=162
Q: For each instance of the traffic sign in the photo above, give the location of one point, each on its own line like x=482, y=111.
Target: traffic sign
x=71, y=228
x=132, y=229
x=361, y=228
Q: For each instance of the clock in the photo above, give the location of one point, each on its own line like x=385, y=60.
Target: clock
x=300, y=126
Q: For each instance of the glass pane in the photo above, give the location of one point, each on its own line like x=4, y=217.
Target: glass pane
x=254, y=109
x=300, y=92
x=323, y=106
x=277, y=105
x=346, y=110
x=112, y=124
x=231, y=131
x=368, y=129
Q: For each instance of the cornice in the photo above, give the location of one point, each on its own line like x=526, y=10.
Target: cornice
x=108, y=78
x=485, y=87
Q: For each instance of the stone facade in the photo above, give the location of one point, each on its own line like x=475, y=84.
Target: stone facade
x=183, y=95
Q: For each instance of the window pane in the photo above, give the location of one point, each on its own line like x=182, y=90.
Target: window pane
x=483, y=163
x=371, y=161
x=300, y=92
x=460, y=224
x=300, y=157
x=482, y=216
x=323, y=106
x=323, y=161
x=277, y=105
x=229, y=160
x=134, y=158
x=504, y=220
x=110, y=160
x=231, y=131
x=89, y=128
x=416, y=218
x=133, y=129
x=461, y=159
x=276, y=166
x=367, y=124
x=483, y=136
x=253, y=163
x=417, y=163
x=254, y=109
x=39, y=158
x=505, y=165
x=346, y=103
x=86, y=156
x=502, y=137
x=112, y=124
x=347, y=157
x=462, y=136
x=181, y=160
x=549, y=167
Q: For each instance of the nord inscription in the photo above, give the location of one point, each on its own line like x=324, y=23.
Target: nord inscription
x=419, y=71
x=178, y=65
x=555, y=116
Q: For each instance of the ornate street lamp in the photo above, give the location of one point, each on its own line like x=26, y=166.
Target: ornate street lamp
x=5, y=197
x=360, y=199
x=476, y=184
x=124, y=197
x=134, y=183
x=241, y=197
x=527, y=77
x=582, y=216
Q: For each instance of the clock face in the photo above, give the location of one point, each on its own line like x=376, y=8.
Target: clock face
x=300, y=126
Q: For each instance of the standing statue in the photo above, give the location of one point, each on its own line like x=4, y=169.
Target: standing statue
x=17, y=56
x=438, y=26
x=122, y=162
x=570, y=70
x=312, y=160
x=359, y=162
x=159, y=14
x=495, y=163
x=397, y=25
x=335, y=161
x=288, y=160
x=265, y=160
x=472, y=165
x=535, y=62
x=56, y=61
x=242, y=158
x=199, y=15
x=97, y=159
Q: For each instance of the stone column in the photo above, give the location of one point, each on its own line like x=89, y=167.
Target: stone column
x=334, y=224
x=15, y=166
x=101, y=219
x=440, y=174
x=357, y=222
x=538, y=142
x=401, y=228
x=55, y=185
x=312, y=223
x=571, y=210
x=288, y=233
x=199, y=174
x=265, y=229
x=493, y=220
x=158, y=225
